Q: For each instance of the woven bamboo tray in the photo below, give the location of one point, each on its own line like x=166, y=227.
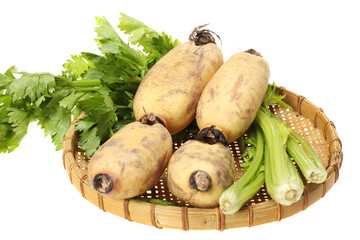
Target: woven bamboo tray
x=305, y=118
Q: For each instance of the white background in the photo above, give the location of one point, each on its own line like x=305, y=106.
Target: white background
x=312, y=48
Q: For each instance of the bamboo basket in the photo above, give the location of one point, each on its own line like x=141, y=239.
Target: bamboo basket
x=305, y=118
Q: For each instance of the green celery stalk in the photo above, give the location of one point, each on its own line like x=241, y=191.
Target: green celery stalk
x=311, y=169
x=232, y=199
x=247, y=192
x=318, y=166
x=283, y=182
x=303, y=154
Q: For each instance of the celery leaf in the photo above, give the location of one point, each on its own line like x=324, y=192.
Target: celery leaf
x=76, y=65
x=32, y=86
x=273, y=97
x=154, y=43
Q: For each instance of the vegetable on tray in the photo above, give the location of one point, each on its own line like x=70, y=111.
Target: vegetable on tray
x=234, y=95
x=283, y=182
x=267, y=159
x=133, y=160
x=252, y=180
x=199, y=172
x=139, y=97
x=172, y=88
x=102, y=85
x=226, y=109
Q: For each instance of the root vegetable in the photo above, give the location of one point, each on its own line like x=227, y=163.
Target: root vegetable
x=132, y=161
x=199, y=172
x=233, y=96
x=172, y=87
x=226, y=109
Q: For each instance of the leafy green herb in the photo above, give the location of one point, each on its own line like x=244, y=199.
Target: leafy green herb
x=154, y=44
x=102, y=85
x=273, y=97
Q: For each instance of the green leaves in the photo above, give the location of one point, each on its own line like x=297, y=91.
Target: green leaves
x=153, y=43
x=101, y=85
x=160, y=46
x=56, y=122
x=120, y=69
x=13, y=128
x=251, y=181
x=14, y=120
x=32, y=86
x=76, y=66
x=14, y=123
x=140, y=34
x=4, y=81
x=110, y=43
x=273, y=97
x=96, y=126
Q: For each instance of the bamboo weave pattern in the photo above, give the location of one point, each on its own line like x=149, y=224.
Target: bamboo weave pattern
x=305, y=118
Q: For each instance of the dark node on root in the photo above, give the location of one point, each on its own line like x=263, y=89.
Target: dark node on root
x=211, y=135
x=151, y=119
x=253, y=52
x=202, y=36
x=200, y=181
x=103, y=183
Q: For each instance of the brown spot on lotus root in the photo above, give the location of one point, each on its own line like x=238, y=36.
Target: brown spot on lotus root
x=135, y=150
x=122, y=166
x=163, y=136
x=146, y=142
x=110, y=143
x=193, y=74
x=239, y=82
x=212, y=93
x=191, y=106
x=195, y=95
x=236, y=93
x=172, y=92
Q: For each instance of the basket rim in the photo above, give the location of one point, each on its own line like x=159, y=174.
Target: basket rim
x=249, y=216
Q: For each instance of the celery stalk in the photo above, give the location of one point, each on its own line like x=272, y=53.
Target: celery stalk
x=305, y=157
x=249, y=184
x=273, y=142
x=311, y=170
x=318, y=166
x=283, y=182
x=232, y=200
